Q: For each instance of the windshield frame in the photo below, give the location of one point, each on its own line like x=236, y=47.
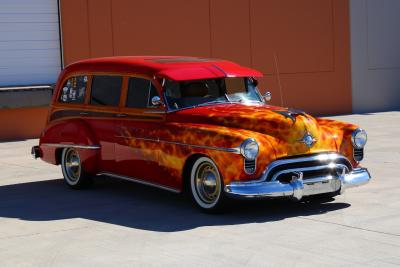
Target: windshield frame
x=214, y=102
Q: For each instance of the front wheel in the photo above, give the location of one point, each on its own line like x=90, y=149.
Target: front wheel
x=206, y=185
x=71, y=166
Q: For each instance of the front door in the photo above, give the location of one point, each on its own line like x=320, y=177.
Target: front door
x=137, y=141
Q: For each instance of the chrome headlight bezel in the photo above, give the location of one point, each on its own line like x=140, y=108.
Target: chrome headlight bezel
x=249, y=149
x=359, y=138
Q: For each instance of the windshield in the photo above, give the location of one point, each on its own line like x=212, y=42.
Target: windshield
x=194, y=93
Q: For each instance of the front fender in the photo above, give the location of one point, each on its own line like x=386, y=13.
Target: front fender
x=342, y=132
x=179, y=141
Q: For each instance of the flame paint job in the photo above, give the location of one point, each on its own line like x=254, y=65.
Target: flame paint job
x=174, y=143
x=157, y=146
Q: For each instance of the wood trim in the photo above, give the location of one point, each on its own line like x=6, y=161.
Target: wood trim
x=77, y=113
x=124, y=92
x=88, y=89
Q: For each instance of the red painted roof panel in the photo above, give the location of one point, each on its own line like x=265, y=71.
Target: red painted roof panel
x=170, y=67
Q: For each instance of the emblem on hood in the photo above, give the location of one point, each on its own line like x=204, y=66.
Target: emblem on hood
x=290, y=114
x=308, y=139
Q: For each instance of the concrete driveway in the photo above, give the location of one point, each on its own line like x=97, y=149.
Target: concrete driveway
x=117, y=223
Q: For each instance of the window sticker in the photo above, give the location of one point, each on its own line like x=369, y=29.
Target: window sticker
x=74, y=90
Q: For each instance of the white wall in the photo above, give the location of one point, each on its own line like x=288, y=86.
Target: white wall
x=375, y=54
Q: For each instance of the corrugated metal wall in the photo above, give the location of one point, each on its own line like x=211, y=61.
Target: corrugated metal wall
x=29, y=54
x=29, y=42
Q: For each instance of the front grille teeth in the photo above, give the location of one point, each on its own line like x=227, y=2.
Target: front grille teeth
x=249, y=166
x=358, y=154
x=311, y=167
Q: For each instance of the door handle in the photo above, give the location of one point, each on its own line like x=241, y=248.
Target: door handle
x=84, y=113
x=120, y=115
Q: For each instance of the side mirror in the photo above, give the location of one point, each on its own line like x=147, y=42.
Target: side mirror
x=156, y=101
x=267, y=96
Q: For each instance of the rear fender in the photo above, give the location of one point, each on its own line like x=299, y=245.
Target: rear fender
x=70, y=133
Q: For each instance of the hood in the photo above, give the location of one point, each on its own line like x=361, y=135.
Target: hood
x=286, y=128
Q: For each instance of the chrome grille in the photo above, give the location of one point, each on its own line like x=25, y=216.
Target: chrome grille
x=249, y=166
x=358, y=154
x=313, y=166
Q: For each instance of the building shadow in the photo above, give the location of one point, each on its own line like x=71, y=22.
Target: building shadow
x=137, y=206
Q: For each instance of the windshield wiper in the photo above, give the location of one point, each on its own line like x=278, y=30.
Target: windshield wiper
x=212, y=102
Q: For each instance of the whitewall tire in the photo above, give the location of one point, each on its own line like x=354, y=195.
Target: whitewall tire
x=206, y=185
x=73, y=172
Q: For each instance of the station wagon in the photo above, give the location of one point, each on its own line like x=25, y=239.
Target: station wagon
x=195, y=125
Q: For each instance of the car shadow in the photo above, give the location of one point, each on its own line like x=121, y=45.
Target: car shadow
x=137, y=206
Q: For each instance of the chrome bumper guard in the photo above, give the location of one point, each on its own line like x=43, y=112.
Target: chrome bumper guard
x=35, y=152
x=298, y=187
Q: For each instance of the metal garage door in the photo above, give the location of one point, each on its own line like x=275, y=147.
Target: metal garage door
x=29, y=42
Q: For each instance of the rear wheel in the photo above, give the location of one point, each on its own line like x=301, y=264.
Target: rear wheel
x=206, y=185
x=71, y=166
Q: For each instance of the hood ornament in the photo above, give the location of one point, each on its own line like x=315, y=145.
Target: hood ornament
x=290, y=114
x=308, y=140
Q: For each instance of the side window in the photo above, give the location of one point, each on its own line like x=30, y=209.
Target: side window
x=106, y=90
x=140, y=93
x=74, y=90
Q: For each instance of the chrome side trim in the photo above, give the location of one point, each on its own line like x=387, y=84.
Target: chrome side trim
x=155, y=112
x=71, y=146
x=235, y=150
x=135, y=180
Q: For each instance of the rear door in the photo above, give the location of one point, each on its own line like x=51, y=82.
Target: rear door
x=103, y=113
x=137, y=144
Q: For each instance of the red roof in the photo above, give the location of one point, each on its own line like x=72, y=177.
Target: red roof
x=170, y=67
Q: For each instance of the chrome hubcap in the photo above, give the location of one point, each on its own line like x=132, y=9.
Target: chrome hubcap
x=207, y=183
x=72, y=165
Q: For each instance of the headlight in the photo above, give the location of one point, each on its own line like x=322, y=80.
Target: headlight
x=359, y=138
x=249, y=149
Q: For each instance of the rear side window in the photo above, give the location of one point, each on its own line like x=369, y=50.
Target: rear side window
x=140, y=93
x=74, y=90
x=106, y=90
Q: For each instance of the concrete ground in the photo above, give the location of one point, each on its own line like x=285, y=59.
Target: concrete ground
x=117, y=223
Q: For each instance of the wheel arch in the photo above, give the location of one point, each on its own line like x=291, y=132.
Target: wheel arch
x=69, y=131
x=58, y=155
x=187, y=167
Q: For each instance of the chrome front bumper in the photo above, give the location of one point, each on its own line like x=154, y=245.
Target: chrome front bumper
x=298, y=187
